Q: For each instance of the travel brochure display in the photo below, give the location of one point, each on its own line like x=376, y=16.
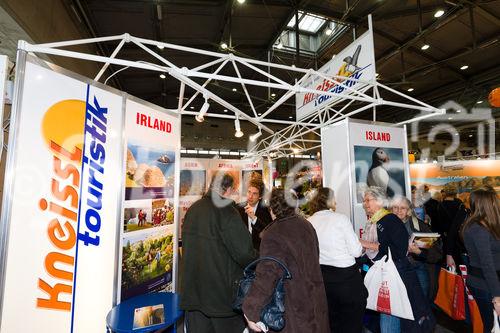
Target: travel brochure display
x=148, y=316
x=363, y=155
x=63, y=204
x=152, y=138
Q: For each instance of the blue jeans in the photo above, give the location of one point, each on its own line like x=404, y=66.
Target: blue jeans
x=389, y=324
x=422, y=276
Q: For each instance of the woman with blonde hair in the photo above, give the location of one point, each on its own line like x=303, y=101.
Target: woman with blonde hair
x=481, y=233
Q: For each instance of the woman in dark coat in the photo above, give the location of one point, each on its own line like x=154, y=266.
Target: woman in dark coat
x=292, y=240
x=481, y=233
x=391, y=234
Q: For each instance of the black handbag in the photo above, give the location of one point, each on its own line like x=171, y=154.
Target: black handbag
x=272, y=314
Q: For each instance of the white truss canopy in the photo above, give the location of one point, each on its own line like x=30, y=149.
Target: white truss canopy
x=298, y=136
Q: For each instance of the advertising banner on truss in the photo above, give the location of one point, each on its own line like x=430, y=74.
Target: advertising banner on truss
x=61, y=262
x=357, y=61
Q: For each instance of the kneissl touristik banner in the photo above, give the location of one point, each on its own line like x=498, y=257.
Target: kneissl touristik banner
x=60, y=267
x=355, y=62
x=153, y=139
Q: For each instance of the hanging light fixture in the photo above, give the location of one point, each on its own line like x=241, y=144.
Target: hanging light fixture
x=200, y=117
x=238, y=132
x=255, y=136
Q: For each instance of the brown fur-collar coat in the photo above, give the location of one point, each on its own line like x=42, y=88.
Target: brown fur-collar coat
x=293, y=241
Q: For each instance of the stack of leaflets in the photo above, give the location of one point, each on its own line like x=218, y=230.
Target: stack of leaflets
x=424, y=240
x=148, y=316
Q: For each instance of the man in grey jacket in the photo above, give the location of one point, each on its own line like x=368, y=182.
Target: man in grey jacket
x=216, y=249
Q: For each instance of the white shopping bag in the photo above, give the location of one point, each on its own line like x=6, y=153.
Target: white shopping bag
x=386, y=291
x=496, y=325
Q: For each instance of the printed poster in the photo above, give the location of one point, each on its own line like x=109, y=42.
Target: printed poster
x=152, y=140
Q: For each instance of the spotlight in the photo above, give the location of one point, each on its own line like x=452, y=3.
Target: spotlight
x=328, y=31
x=439, y=13
x=200, y=116
x=410, y=89
x=479, y=102
x=238, y=133
x=464, y=67
x=163, y=76
x=234, y=89
x=273, y=95
x=255, y=136
x=241, y=1
x=161, y=47
x=223, y=45
x=425, y=47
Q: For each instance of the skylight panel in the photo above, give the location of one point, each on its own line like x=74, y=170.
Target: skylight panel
x=311, y=23
x=307, y=22
x=291, y=24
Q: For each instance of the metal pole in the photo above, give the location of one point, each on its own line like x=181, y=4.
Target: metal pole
x=419, y=6
x=297, y=40
x=472, y=27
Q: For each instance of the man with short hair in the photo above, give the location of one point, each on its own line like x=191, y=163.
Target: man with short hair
x=255, y=215
x=216, y=248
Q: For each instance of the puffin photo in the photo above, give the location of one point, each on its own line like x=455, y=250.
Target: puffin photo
x=377, y=174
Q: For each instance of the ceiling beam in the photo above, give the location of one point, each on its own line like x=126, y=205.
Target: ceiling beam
x=436, y=25
x=424, y=70
x=487, y=15
x=416, y=50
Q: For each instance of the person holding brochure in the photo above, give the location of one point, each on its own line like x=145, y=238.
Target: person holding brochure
x=419, y=253
x=481, y=234
x=391, y=234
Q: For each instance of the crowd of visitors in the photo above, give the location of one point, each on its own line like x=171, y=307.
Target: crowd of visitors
x=328, y=261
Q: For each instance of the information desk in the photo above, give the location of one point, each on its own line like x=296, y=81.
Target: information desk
x=121, y=318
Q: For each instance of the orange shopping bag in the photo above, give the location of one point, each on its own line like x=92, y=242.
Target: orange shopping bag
x=475, y=315
x=450, y=296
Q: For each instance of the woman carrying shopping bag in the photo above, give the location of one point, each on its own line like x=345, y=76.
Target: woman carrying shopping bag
x=481, y=233
x=391, y=234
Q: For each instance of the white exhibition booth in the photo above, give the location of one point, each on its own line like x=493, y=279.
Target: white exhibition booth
x=358, y=154
x=91, y=206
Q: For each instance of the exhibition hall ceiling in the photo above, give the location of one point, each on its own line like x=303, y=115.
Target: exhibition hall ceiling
x=455, y=56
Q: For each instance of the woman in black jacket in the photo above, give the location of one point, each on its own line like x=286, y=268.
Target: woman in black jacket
x=391, y=234
x=481, y=235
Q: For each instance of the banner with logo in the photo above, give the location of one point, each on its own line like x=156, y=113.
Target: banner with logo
x=152, y=142
x=61, y=264
x=357, y=61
